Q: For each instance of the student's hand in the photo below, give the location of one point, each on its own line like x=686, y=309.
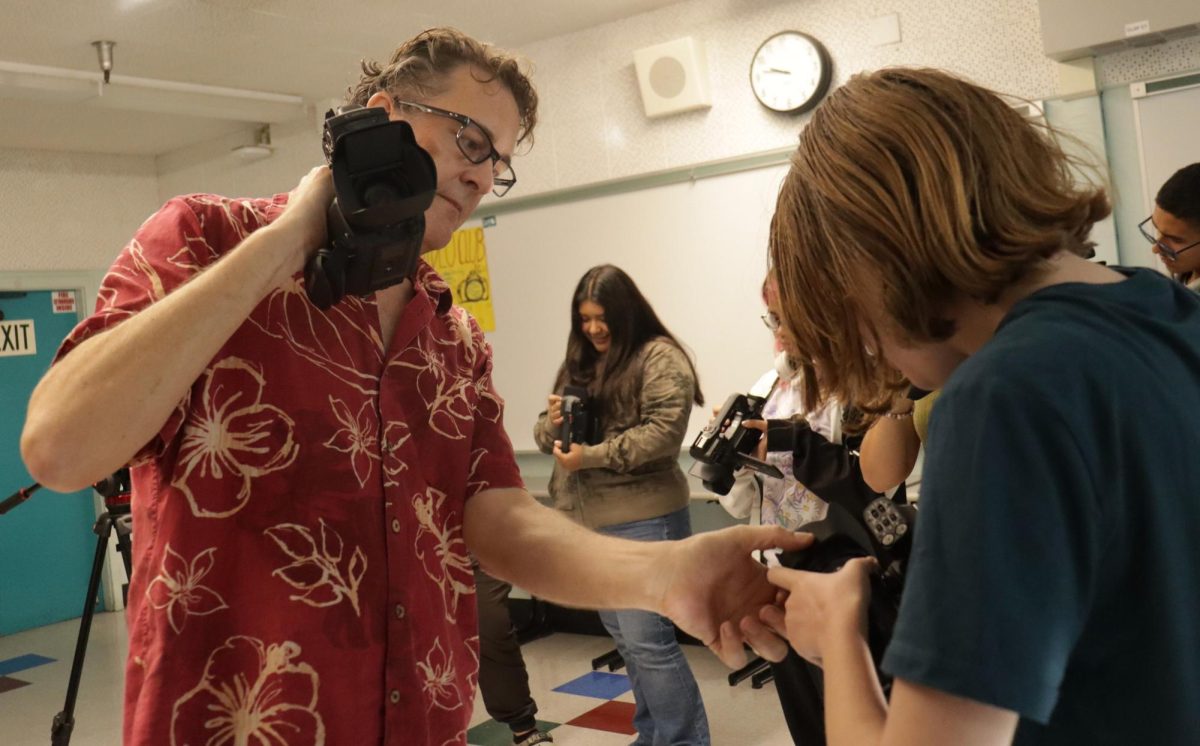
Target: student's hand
x=760, y=450
x=572, y=460
x=554, y=409
x=819, y=607
x=711, y=583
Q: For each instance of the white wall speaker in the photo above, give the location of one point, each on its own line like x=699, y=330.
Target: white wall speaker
x=673, y=77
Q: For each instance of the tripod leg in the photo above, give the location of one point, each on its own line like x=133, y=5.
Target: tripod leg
x=124, y=526
x=64, y=722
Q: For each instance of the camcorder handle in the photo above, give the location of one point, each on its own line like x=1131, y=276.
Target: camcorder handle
x=744, y=461
x=575, y=418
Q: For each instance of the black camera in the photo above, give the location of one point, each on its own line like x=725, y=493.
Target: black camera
x=576, y=424
x=881, y=529
x=724, y=446
x=383, y=182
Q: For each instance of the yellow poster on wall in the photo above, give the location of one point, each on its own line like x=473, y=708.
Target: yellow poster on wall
x=462, y=263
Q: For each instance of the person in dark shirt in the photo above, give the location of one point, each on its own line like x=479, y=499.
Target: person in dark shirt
x=1174, y=226
x=927, y=232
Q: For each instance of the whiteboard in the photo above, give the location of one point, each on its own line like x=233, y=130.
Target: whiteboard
x=697, y=250
x=1083, y=120
x=1167, y=141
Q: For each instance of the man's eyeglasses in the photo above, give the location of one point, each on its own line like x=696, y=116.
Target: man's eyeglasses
x=771, y=321
x=1156, y=241
x=475, y=144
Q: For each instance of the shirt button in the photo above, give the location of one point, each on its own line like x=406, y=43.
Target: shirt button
x=396, y=525
x=399, y=611
x=395, y=696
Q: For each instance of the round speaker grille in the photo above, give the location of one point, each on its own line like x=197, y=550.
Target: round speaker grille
x=667, y=77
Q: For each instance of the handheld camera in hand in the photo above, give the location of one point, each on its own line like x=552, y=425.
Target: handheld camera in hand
x=725, y=445
x=880, y=529
x=383, y=182
x=576, y=424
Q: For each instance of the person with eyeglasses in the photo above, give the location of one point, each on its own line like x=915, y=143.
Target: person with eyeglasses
x=1173, y=229
x=312, y=486
x=818, y=455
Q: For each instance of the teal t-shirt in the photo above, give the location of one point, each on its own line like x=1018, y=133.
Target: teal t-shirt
x=1055, y=570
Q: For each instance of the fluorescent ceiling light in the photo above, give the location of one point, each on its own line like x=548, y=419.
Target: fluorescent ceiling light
x=22, y=81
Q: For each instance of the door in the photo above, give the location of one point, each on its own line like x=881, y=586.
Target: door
x=46, y=543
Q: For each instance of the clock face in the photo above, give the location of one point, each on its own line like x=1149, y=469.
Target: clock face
x=790, y=72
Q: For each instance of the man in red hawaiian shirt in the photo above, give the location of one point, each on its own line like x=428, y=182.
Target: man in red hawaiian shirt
x=307, y=483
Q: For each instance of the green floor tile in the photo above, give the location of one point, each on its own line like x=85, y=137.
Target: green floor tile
x=492, y=733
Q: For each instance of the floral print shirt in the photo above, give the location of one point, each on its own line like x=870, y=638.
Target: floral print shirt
x=786, y=502
x=300, y=571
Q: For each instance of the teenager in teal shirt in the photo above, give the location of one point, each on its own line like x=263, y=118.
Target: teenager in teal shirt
x=927, y=232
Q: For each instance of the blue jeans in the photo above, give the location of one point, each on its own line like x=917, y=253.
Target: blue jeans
x=669, y=709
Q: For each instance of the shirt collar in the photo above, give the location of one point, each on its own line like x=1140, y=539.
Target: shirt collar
x=437, y=289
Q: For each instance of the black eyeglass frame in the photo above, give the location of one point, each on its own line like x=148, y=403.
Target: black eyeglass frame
x=500, y=184
x=1156, y=241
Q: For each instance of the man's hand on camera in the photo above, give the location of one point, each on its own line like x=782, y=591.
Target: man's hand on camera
x=572, y=460
x=554, y=410
x=820, y=608
x=304, y=216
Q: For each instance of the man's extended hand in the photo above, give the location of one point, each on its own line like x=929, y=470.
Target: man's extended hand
x=711, y=583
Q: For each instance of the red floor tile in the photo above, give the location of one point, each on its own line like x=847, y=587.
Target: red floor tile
x=7, y=684
x=614, y=717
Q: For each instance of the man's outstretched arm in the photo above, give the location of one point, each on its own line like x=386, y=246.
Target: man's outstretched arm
x=706, y=584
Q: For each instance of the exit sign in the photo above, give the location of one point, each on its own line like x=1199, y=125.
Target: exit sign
x=17, y=338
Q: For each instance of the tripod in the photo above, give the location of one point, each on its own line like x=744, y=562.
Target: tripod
x=115, y=517
x=115, y=490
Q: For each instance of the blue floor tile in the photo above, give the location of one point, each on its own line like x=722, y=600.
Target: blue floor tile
x=597, y=684
x=22, y=662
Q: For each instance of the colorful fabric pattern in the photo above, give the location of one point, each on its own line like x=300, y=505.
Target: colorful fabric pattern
x=300, y=572
x=786, y=502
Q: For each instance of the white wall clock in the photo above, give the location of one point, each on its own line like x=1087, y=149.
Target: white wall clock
x=790, y=72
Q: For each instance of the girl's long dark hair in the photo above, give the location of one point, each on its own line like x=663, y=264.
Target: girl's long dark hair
x=631, y=323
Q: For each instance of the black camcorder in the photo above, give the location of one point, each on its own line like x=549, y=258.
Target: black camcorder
x=883, y=530
x=725, y=445
x=383, y=182
x=577, y=421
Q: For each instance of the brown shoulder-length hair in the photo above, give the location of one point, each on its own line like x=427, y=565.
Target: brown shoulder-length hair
x=421, y=64
x=631, y=323
x=912, y=190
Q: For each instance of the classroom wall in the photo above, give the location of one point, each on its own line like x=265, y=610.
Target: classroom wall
x=214, y=167
x=1119, y=68
x=592, y=126
x=70, y=211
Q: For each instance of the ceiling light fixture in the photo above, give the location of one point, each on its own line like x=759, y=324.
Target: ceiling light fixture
x=55, y=84
x=261, y=148
x=104, y=53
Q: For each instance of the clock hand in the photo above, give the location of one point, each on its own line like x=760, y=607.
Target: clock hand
x=778, y=70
